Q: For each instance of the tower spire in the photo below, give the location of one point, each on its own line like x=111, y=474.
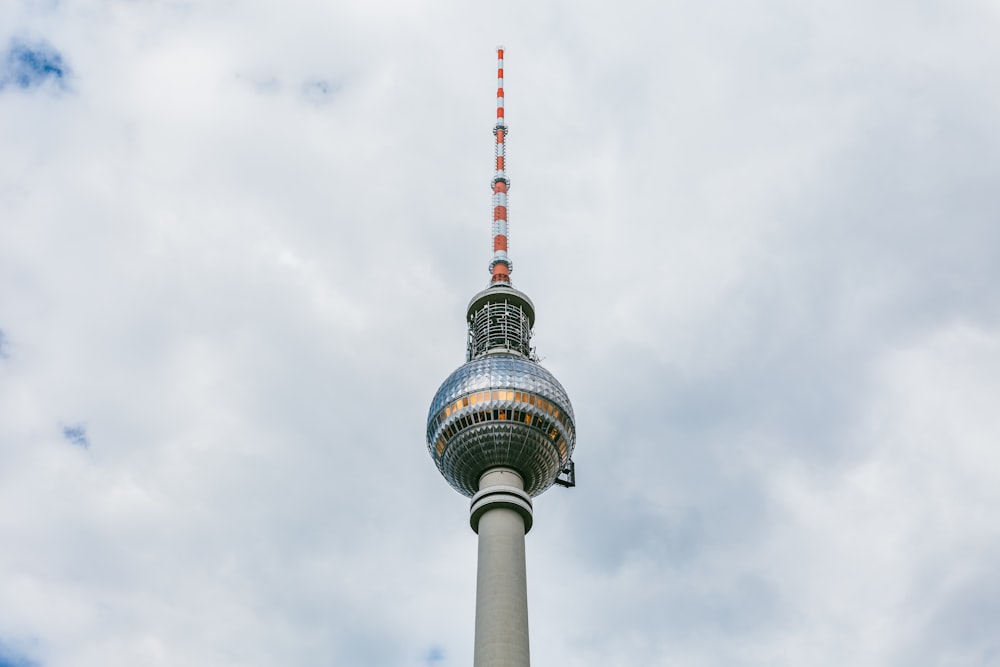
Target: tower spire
x=500, y=265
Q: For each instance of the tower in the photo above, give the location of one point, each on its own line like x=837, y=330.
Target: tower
x=501, y=431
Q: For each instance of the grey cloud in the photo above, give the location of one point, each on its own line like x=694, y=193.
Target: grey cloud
x=744, y=229
x=962, y=625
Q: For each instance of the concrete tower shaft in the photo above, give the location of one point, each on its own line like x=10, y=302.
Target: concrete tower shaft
x=501, y=514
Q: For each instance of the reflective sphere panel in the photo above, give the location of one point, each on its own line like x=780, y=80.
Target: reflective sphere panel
x=501, y=410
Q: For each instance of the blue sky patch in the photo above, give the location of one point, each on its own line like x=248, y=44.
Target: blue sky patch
x=32, y=65
x=9, y=658
x=319, y=91
x=77, y=435
x=3, y=345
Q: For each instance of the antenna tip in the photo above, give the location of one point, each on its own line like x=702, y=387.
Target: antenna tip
x=499, y=47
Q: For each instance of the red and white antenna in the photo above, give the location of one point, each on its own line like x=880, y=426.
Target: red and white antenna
x=500, y=265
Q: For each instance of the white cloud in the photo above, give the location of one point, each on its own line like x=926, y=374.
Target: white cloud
x=760, y=240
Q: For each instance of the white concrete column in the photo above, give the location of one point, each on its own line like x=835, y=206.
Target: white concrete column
x=501, y=514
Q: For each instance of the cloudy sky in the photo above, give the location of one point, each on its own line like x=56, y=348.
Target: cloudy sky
x=236, y=244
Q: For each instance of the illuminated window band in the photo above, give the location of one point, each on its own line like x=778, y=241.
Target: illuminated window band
x=487, y=412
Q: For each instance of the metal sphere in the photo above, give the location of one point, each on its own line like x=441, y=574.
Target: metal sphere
x=501, y=410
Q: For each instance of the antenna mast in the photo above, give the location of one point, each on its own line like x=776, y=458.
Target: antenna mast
x=500, y=265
